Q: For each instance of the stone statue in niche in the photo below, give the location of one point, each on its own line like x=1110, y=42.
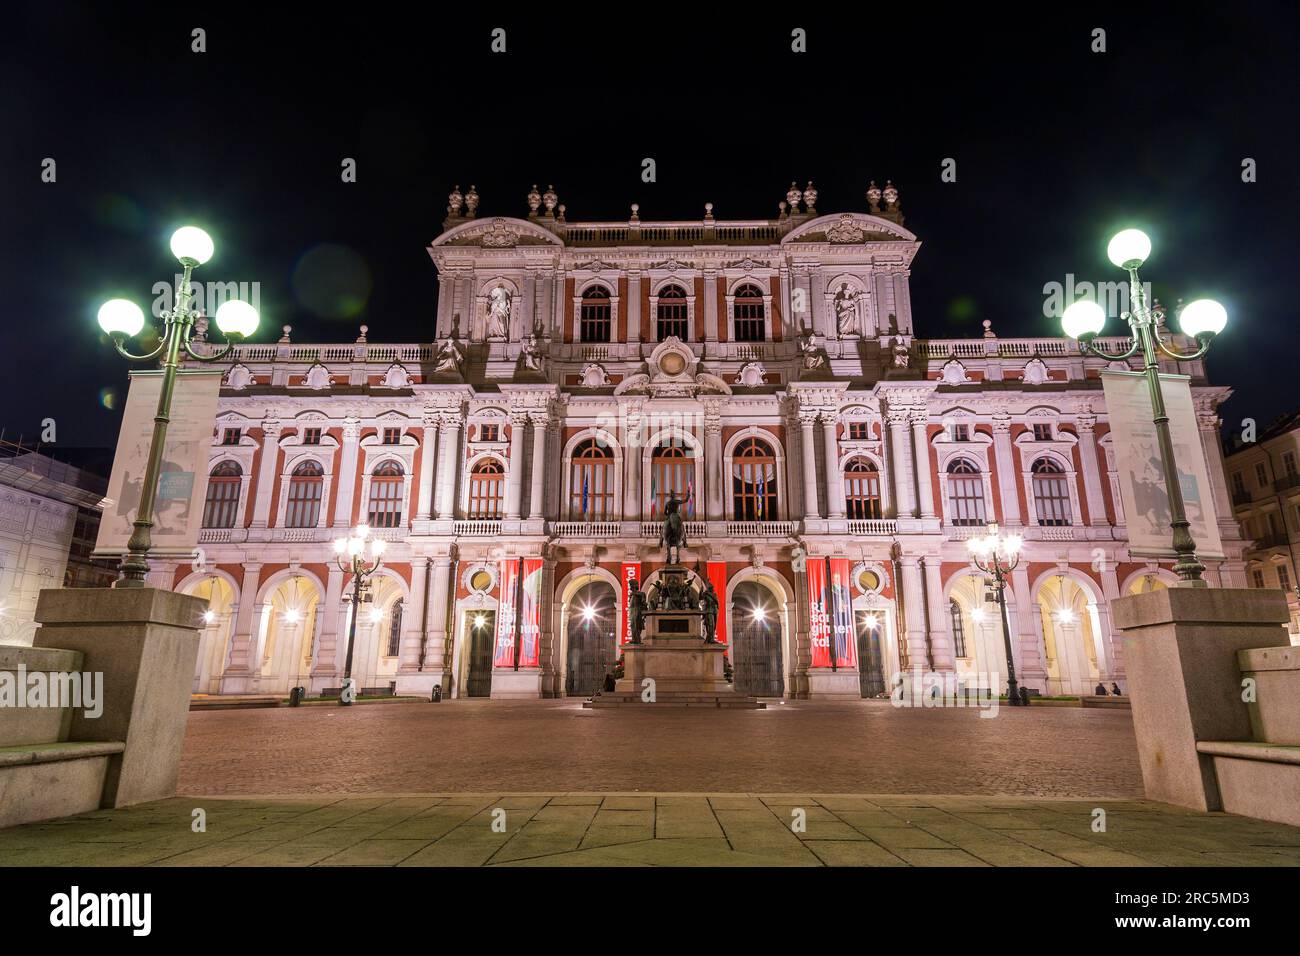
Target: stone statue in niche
x=848, y=310
x=901, y=354
x=813, y=357
x=498, y=317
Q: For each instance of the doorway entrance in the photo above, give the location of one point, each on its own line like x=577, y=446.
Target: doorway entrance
x=756, y=641
x=481, y=626
x=592, y=642
x=871, y=662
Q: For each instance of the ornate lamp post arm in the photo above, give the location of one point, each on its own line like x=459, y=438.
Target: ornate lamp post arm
x=350, y=561
x=122, y=319
x=992, y=554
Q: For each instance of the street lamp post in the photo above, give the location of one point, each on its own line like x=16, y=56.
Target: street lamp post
x=1202, y=320
x=998, y=554
x=349, y=553
x=123, y=319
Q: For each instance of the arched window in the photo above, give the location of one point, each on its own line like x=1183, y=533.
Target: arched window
x=862, y=489
x=750, y=314
x=223, y=496
x=594, y=316
x=753, y=481
x=1051, y=492
x=672, y=468
x=671, y=314
x=591, y=482
x=965, y=493
x=386, y=484
x=306, y=485
x=958, y=630
x=486, y=489
x=395, y=630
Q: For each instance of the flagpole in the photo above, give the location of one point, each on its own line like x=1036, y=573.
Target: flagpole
x=830, y=623
x=519, y=600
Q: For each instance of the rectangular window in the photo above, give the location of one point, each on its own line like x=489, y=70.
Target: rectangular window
x=1258, y=578
x=392, y=436
x=966, y=500
x=395, y=630
x=1238, y=484
x=1042, y=432
x=311, y=436
x=490, y=432
x=961, y=433
x=1283, y=578
x=859, y=431
x=958, y=631
x=1261, y=474
x=1288, y=463
x=231, y=436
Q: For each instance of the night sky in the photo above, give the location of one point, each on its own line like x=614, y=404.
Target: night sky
x=1056, y=147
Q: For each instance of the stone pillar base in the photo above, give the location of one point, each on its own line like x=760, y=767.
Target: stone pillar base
x=841, y=684
x=522, y=684
x=1180, y=652
x=420, y=684
x=145, y=642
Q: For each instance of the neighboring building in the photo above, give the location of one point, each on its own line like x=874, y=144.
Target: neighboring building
x=48, y=521
x=582, y=371
x=1264, y=480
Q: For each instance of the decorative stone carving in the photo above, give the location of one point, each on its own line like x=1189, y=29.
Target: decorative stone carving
x=396, y=377
x=499, y=236
x=531, y=356
x=1035, y=373
x=848, y=303
x=239, y=377
x=845, y=231
x=813, y=356
x=902, y=355
x=594, y=376
x=498, y=314
x=534, y=200
x=751, y=375
x=318, y=377
x=954, y=373
x=449, y=358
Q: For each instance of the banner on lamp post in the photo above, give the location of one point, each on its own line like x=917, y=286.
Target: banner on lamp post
x=183, y=475
x=1141, y=476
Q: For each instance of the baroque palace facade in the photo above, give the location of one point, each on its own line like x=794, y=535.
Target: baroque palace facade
x=517, y=465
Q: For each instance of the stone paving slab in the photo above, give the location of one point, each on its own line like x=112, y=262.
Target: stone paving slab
x=647, y=829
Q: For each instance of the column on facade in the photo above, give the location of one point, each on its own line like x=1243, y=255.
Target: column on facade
x=914, y=599
x=536, y=504
x=555, y=465
x=527, y=316
x=714, y=477
x=1110, y=639
x=515, y=475
x=547, y=656
x=834, y=473
x=1208, y=423
x=1027, y=629
x=435, y=625
x=941, y=646
x=466, y=305
x=443, y=321
x=789, y=326
x=347, y=476
x=807, y=417
x=428, y=465
x=323, y=665
x=709, y=314
x=1008, y=481
x=634, y=281
x=632, y=462
x=1089, y=457
x=823, y=321
x=412, y=637
x=902, y=302
x=920, y=418
x=448, y=455
x=242, y=639
x=266, y=473
x=801, y=298
x=900, y=453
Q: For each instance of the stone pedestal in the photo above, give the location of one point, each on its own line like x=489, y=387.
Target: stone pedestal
x=1180, y=651
x=674, y=654
x=146, y=643
x=522, y=684
x=840, y=684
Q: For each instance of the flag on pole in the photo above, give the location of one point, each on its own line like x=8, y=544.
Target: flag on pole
x=654, y=497
x=762, y=485
x=584, y=494
x=690, y=496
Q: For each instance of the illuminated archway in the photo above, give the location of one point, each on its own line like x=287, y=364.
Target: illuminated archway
x=218, y=626
x=287, y=634
x=1071, y=629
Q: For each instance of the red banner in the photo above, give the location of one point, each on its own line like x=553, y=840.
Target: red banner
x=631, y=572
x=717, y=571
x=842, y=630
x=529, y=606
x=819, y=621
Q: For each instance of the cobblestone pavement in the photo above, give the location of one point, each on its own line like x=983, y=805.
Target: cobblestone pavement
x=604, y=829
x=556, y=746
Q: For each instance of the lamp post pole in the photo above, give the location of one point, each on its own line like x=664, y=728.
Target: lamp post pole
x=1202, y=320
x=122, y=319
x=997, y=554
x=350, y=551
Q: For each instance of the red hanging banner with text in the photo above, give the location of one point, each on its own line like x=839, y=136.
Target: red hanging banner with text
x=841, y=619
x=531, y=613
x=507, y=588
x=631, y=572
x=819, y=621
x=718, y=578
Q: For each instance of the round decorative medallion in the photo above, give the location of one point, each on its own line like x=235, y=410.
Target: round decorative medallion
x=672, y=363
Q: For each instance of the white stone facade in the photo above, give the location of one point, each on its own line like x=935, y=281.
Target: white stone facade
x=828, y=430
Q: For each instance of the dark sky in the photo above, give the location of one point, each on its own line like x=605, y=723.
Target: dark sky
x=1056, y=148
